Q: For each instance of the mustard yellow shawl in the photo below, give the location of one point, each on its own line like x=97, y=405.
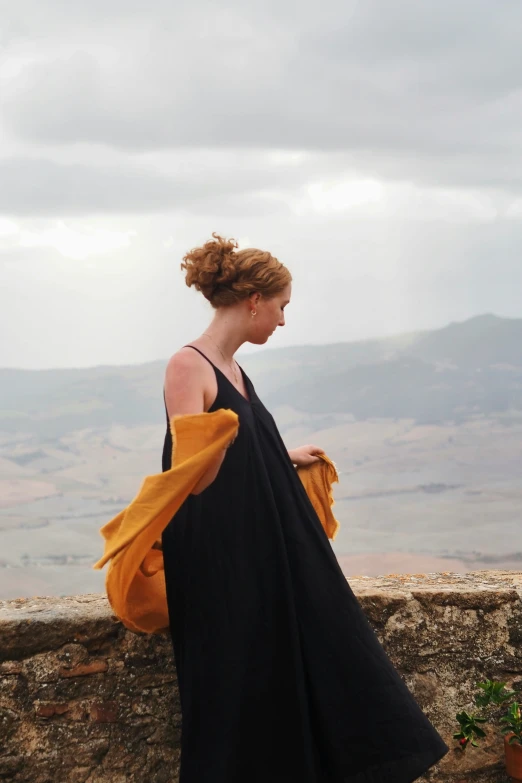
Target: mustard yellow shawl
x=135, y=579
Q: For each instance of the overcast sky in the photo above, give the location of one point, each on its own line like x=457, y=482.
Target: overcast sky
x=374, y=147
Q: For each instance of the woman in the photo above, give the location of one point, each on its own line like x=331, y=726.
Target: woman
x=281, y=677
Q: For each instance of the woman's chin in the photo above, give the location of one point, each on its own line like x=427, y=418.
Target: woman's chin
x=260, y=340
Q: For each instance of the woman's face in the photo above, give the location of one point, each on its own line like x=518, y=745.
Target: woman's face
x=269, y=314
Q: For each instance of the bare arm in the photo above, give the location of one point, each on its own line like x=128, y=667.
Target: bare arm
x=188, y=386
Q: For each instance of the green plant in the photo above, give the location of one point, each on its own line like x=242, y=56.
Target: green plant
x=513, y=723
x=492, y=694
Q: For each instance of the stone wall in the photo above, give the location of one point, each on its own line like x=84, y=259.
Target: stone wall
x=83, y=700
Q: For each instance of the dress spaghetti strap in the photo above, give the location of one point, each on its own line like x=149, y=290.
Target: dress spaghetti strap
x=202, y=354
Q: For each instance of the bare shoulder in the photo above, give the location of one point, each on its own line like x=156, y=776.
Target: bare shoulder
x=188, y=382
x=186, y=360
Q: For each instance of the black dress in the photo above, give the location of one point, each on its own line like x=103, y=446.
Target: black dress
x=281, y=677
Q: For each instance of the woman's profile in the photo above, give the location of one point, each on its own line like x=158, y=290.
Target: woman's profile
x=281, y=677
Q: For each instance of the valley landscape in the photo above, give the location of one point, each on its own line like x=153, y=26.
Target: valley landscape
x=425, y=429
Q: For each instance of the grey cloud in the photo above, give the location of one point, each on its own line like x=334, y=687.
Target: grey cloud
x=181, y=118
x=36, y=186
x=395, y=78
x=223, y=184
x=30, y=19
x=77, y=318
x=39, y=186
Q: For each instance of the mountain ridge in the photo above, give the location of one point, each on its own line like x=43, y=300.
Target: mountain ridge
x=453, y=373
x=425, y=429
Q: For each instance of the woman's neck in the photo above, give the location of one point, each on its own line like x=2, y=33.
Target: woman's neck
x=226, y=333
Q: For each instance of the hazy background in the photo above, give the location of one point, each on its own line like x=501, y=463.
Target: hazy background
x=374, y=147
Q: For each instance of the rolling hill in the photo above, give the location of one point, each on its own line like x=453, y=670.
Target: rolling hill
x=425, y=428
x=451, y=374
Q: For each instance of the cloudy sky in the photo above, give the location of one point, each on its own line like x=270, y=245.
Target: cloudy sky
x=375, y=147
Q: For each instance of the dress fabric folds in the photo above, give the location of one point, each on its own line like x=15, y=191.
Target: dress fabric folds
x=281, y=677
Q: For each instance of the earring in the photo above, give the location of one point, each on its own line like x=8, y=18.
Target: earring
x=253, y=313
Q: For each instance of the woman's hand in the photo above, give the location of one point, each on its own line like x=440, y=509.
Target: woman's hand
x=305, y=455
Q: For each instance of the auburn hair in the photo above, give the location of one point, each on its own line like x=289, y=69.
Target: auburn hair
x=226, y=275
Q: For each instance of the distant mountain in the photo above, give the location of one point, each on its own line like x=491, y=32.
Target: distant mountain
x=456, y=373
x=75, y=445
x=480, y=342
x=51, y=403
x=452, y=374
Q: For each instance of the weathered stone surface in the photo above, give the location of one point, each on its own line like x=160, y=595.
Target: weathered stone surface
x=83, y=700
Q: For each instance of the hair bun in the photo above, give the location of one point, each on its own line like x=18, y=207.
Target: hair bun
x=226, y=275
x=211, y=265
